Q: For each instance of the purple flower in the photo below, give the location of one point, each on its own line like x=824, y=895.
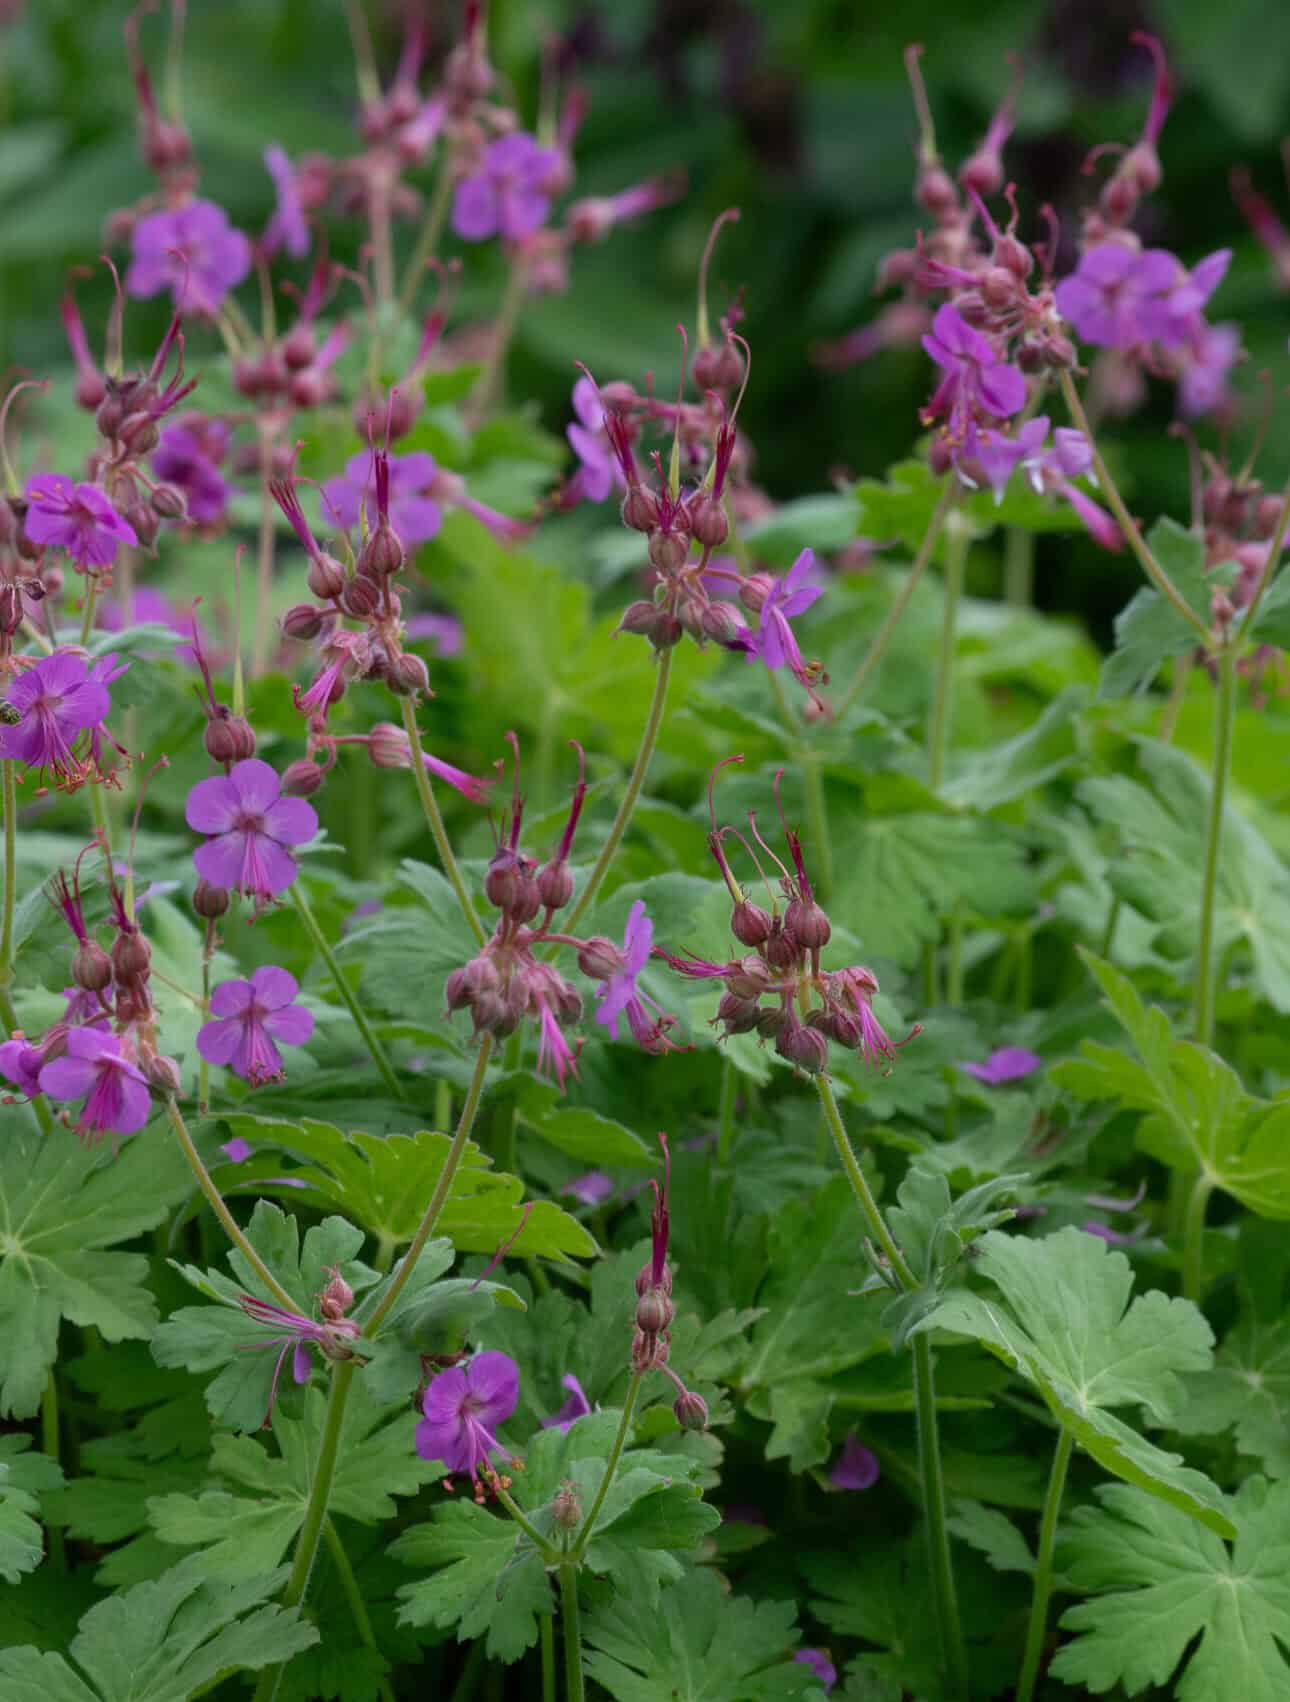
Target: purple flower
x=253, y=825
x=820, y=1664
x=774, y=642
x=93, y=1068
x=555, y=1056
x=75, y=518
x=856, y=1467
x=577, y=1406
x=1118, y=298
x=1008, y=1063
x=463, y=1407
x=975, y=380
x=444, y=631
x=193, y=252
x=1210, y=355
x=295, y=1335
x=508, y=194
x=237, y=1151
x=250, y=1015
x=57, y=700
x=593, y=1189
x=188, y=457
x=995, y=457
x=414, y=516
x=20, y=1063
x=598, y=468
x=620, y=996
x=286, y=227
x=1114, y=1237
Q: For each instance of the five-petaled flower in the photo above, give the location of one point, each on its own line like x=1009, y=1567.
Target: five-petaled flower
x=774, y=641
x=253, y=828
x=77, y=518
x=94, y=1068
x=598, y=468
x=508, y=195
x=976, y=382
x=248, y=1017
x=57, y=700
x=619, y=994
x=193, y=252
x=463, y=1408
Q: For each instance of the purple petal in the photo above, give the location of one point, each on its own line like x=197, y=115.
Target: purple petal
x=475, y=209
x=237, y=1151
x=220, y=860
x=67, y=1078
x=1008, y=1063
x=231, y=998
x=273, y=988
x=292, y=1026
x=495, y=1385
x=212, y=806
x=856, y=1466
x=291, y=821
x=256, y=784
x=218, y=1042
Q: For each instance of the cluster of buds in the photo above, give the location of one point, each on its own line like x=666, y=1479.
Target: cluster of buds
x=778, y=989
x=506, y=983
x=281, y=372
x=652, y=1335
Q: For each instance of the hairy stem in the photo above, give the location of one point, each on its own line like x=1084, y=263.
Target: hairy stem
x=381, y=231
x=438, y=831
x=202, y=1176
x=442, y=1189
x=87, y=608
x=611, y=1466
x=813, y=780
x=574, y=1690
x=9, y=784
x=1128, y=526
x=546, y=1627
x=860, y=1188
x=342, y=1378
x=1206, y=977
x=354, y=1596
x=375, y=1050
x=957, y=539
x=1044, y=1568
x=649, y=738
x=1193, y=1270
x=882, y=638
x=516, y=1512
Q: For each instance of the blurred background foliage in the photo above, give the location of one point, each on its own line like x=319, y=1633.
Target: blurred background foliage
x=797, y=111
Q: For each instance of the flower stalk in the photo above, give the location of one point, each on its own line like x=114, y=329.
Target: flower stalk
x=375, y=1050
x=1044, y=1567
x=1206, y=966
x=435, y=820
x=579, y=1549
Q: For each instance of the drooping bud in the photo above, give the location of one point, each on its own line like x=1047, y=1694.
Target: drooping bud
x=502, y=878
x=302, y=778
x=599, y=958
x=801, y=1045
x=361, y=597
x=750, y=924
x=806, y=924
x=691, y=1410
x=640, y=509
x=325, y=576
x=210, y=901
x=168, y=501
x=781, y=949
x=555, y=884
x=407, y=675
x=527, y=901
x=228, y=738
x=131, y=956
x=162, y=1073
x=302, y=621
x=720, y=624
x=739, y=1016
x=754, y=589
x=91, y=967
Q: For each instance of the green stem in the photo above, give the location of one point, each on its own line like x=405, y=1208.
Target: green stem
x=266, y=540
x=482, y=395
x=954, y=973
x=546, y=1628
x=611, y=1466
x=882, y=638
x=49, y=1444
x=347, y=993
x=382, y=234
x=438, y=832
x=816, y=801
x=649, y=738
x=726, y=1115
x=1177, y=697
x=87, y=608
x=1193, y=1276
x=354, y=1596
x=342, y=1378
x=1222, y=768
x=203, y=1068
x=957, y=538
x=522, y=1519
x=442, y=1189
x=572, y=1632
x=1019, y=568
x=860, y=1188
x=229, y=1222
x=9, y=785
x=1044, y=1568
x=1128, y=526
x=428, y=236
x=934, y=1512
x=1112, y=923
x=469, y=1676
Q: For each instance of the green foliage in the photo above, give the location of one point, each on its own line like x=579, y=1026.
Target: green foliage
x=24, y=1477
x=1150, y=631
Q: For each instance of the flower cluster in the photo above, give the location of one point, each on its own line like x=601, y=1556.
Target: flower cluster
x=652, y=1333
x=332, y=1333
x=805, y=1006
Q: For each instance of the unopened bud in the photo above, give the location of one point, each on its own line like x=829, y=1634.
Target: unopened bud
x=982, y=171
x=708, y=521
x=803, y=1046
x=112, y=411
x=668, y=550
x=91, y=967
x=654, y=1312
x=566, y=1508
x=1266, y=516
x=555, y=884
x=599, y=958
x=337, y=1298
x=640, y=509
x=752, y=978
x=308, y=388
x=781, y=948
x=935, y=190
x=639, y=617
x=770, y=1020
x=691, y=1410
x=326, y=577
x=1119, y=198
x=162, y=1073
x=91, y=388
x=361, y=597
x=721, y=624
x=527, y=901
x=667, y=632
x=302, y=620
x=210, y=901
x=718, y=369
x=302, y=778
x=407, y=675
x=502, y=879
x=383, y=554
x=750, y=924
x=168, y=501
x=146, y=522
x=298, y=348
x=754, y=589
x=228, y=738
x=131, y=956
x=140, y=434
x=806, y=923
x=739, y=1016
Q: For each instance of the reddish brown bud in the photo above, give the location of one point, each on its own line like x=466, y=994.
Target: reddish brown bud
x=502, y=878
x=162, y=1073
x=382, y=555
x=407, y=675
x=91, y=967
x=146, y=522
x=308, y=388
x=555, y=884
x=527, y=901
x=806, y=923
x=754, y=590
x=738, y=1015
x=210, y=901
x=668, y=550
x=935, y=190
x=691, y=1410
x=337, y=1298
x=228, y=738
x=361, y=597
x=303, y=620
x=599, y=958
x=803, y=1046
x=640, y=509
x=640, y=617
x=708, y=521
x=169, y=502
x=302, y=778
x=298, y=347
x=131, y=955
x=566, y=1508
x=781, y=948
x=720, y=623
x=750, y=924
x=654, y=1312
x=326, y=577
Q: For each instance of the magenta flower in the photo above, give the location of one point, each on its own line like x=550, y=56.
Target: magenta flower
x=94, y=1069
x=555, y=1056
x=975, y=382
x=188, y=457
x=75, y=518
x=619, y=994
x=995, y=457
x=463, y=1407
x=1008, y=1063
x=1118, y=298
x=296, y=1334
x=193, y=252
x=286, y=227
x=577, y=1406
x=253, y=828
x=249, y=1017
x=508, y=195
x=593, y=1189
x=774, y=641
x=820, y=1664
x=414, y=515
x=56, y=700
x=237, y=1151
x=856, y=1467
x=598, y=468
x=1211, y=353
x=20, y=1063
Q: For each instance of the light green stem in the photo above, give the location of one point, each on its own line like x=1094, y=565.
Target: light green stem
x=649, y=738
x=87, y=608
x=9, y=783
x=1193, y=1274
x=203, y=1067
x=442, y=1189
x=726, y=1115
x=546, y=1626
x=611, y=1466
x=957, y=538
x=572, y=1632
x=354, y=1596
x=816, y=802
x=882, y=638
x=860, y=1187
x=347, y=993
x=215, y=1199
x=437, y=830
x=1219, y=774
x=1128, y=526
x=428, y=236
x=342, y=1378
x=1044, y=1568
x=516, y=1512
x=1019, y=567
x=50, y=1445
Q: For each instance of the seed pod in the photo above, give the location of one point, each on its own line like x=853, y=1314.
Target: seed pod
x=720, y=623
x=502, y=878
x=383, y=553
x=527, y=901
x=740, y=1016
x=781, y=948
x=770, y=1019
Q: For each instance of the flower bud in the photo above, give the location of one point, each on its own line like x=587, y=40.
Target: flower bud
x=721, y=624
x=667, y=551
x=806, y=924
x=308, y=388
x=689, y=611
x=337, y=1298
x=1266, y=516
x=718, y=369
x=168, y=501
x=326, y=577
x=91, y=967
x=303, y=620
x=301, y=779
x=754, y=590
x=667, y=632
x=228, y=738
x=781, y=948
x=502, y=879
x=599, y=958
x=527, y=901
x=298, y=349
x=91, y=388
x=491, y=1013
x=750, y=924
x=382, y=554
x=395, y=415
x=407, y=675
x=555, y=884
x=146, y=522
x=770, y=1020
x=739, y=1016
x=640, y=509
x=751, y=978
x=360, y=598
x=131, y=956
x=640, y=617
x=162, y=1073
x=140, y=434
x=708, y=521
x=803, y=1046
x=566, y=1508
x=654, y=1312
x=691, y=1410
x=210, y=901
x=111, y=413
x=935, y=190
